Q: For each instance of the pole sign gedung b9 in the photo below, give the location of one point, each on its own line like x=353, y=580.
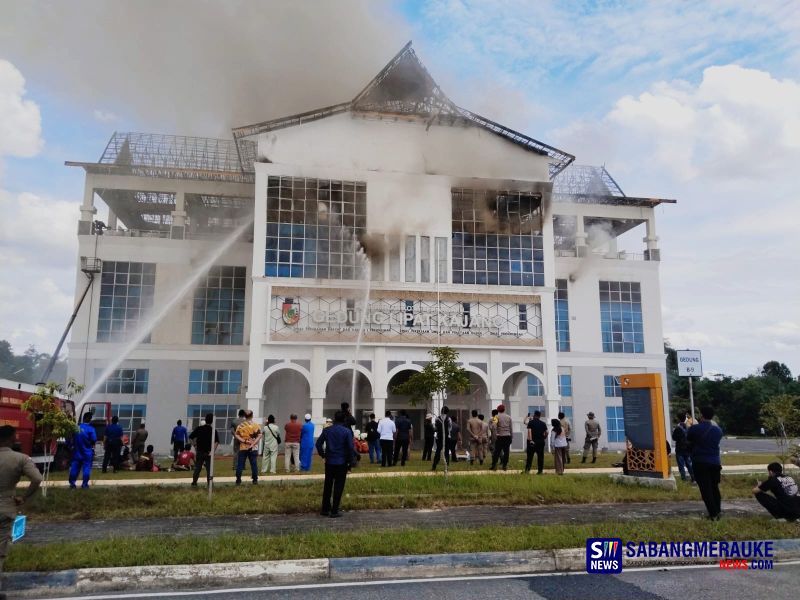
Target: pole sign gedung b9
x=689, y=363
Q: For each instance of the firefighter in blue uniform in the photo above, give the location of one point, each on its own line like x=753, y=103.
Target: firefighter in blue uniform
x=83, y=452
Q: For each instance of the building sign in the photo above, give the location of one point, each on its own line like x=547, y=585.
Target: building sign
x=689, y=363
x=419, y=317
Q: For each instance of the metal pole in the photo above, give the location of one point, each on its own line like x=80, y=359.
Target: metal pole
x=691, y=398
x=211, y=466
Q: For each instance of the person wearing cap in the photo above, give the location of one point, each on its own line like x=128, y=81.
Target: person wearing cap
x=593, y=432
x=502, y=444
x=306, y=443
x=291, y=453
x=430, y=436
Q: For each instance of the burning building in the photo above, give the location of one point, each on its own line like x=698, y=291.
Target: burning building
x=382, y=226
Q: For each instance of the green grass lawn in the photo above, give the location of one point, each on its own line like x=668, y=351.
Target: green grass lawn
x=160, y=550
x=223, y=467
x=366, y=493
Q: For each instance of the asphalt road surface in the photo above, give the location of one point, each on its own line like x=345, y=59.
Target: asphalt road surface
x=688, y=583
x=766, y=444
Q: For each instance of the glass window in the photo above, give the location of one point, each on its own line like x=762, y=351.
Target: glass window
x=218, y=315
x=615, y=424
x=126, y=294
x=565, y=385
x=621, y=316
x=441, y=260
x=541, y=408
x=612, y=387
x=223, y=415
x=130, y=416
x=567, y=410
x=424, y=259
x=394, y=263
x=313, y=226
x=215, y=381
x=562, y=316
x=497, y=238
x=411, y=258
x=125, y=381
x=535, y=387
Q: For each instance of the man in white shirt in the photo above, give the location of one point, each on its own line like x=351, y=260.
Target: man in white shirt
x=387, y=431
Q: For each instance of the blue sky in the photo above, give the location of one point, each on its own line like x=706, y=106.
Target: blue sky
x=694, y=101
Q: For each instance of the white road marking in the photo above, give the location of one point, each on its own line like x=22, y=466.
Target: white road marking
x=340, y=584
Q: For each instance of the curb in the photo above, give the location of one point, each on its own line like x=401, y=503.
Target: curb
x=188, y=577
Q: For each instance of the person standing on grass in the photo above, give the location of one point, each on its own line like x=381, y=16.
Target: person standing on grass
x=493, y=430
x=593, y=433
x=291, y=452
x=272, y=439
x=202, y=436
x=306, y=443
x=349, y=419
x=234, y=425
x=112, y=445
x=83, y=442
x=249, y=436
x=567, y=427
x=475, y=432
x=502, y=444
x=373, y=440
x=405, y=437
x=558, y=444
x=537, y=436
x=387, y=432
x=335, y=446
x=430, y=436
x=704, y=441
x=455, y=440
x=484, y=436
x=13, y=466
x=682, y=453
x=785, y=501
x=178, y=439
x=138, y=442
x=443, y=434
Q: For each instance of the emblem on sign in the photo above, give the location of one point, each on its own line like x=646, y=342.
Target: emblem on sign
x=291, y=313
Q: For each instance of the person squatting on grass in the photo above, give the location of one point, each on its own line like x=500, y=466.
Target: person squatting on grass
x=202, y=438
x=785, y=501
x=704, y=441
x=13, y=465
x=335, y=446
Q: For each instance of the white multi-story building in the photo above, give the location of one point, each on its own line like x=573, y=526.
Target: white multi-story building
x=477, y=237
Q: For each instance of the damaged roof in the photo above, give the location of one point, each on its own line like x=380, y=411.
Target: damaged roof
x=404, y=87
x=587, y=184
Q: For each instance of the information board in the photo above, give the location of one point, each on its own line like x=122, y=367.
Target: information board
x=636, y=406
x=690, y=364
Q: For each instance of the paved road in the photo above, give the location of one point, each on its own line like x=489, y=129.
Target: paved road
x=457, y=516
x=707, y=583
x=766, y=445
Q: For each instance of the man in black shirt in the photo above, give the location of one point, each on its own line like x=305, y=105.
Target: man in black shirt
x=373, y=440
x=785, y=503
x=349, y=419
x=537, y=434
x=443, y=427
x=405, y=432
x=202, y=440
x=683, y=453
x=430, y=434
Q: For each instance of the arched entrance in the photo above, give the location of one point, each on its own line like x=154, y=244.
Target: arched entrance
x=285, y=392
x=396, y=402
x=340, y=389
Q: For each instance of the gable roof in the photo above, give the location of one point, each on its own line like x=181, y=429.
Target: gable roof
x=585, y=184
x=405, y=87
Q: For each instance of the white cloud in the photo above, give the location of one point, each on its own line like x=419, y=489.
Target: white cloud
x=104, y=116
x=20, y=121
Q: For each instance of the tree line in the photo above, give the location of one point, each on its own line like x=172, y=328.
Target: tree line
x=29, y=366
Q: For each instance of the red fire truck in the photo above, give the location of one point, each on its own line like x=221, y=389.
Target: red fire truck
x=14, y=394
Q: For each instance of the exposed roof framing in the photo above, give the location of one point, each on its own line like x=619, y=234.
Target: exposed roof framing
x=585, y=184
x=405, y=87
x=174, y=157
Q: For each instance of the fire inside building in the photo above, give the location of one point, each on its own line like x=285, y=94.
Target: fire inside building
x=381, y=227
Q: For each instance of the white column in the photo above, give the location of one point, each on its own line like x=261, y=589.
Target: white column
x=379, y=406
x=316, y=414
x=88, y=211
x=112, y=219
x=179, y=216
x=495, y=375
x=580, y=236
x=652, y=251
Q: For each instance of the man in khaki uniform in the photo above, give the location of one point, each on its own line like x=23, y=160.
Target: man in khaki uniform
x=593, y=431
x=476, y=444
x=13, y=465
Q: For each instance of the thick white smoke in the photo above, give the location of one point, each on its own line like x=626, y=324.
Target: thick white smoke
x=198, y=67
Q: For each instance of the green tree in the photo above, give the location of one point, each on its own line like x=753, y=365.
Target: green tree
x=52, y=422
x=778, y=370
x=781, y=416
x=440, y=376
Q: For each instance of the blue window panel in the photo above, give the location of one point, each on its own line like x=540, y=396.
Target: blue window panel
x=535, y=387
x=213, y=316
x=611, y=387
x=565, y=385
x=621, y=317
x=567, y=410
x=532, y=408
x=615, y=424
x=125, y=381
